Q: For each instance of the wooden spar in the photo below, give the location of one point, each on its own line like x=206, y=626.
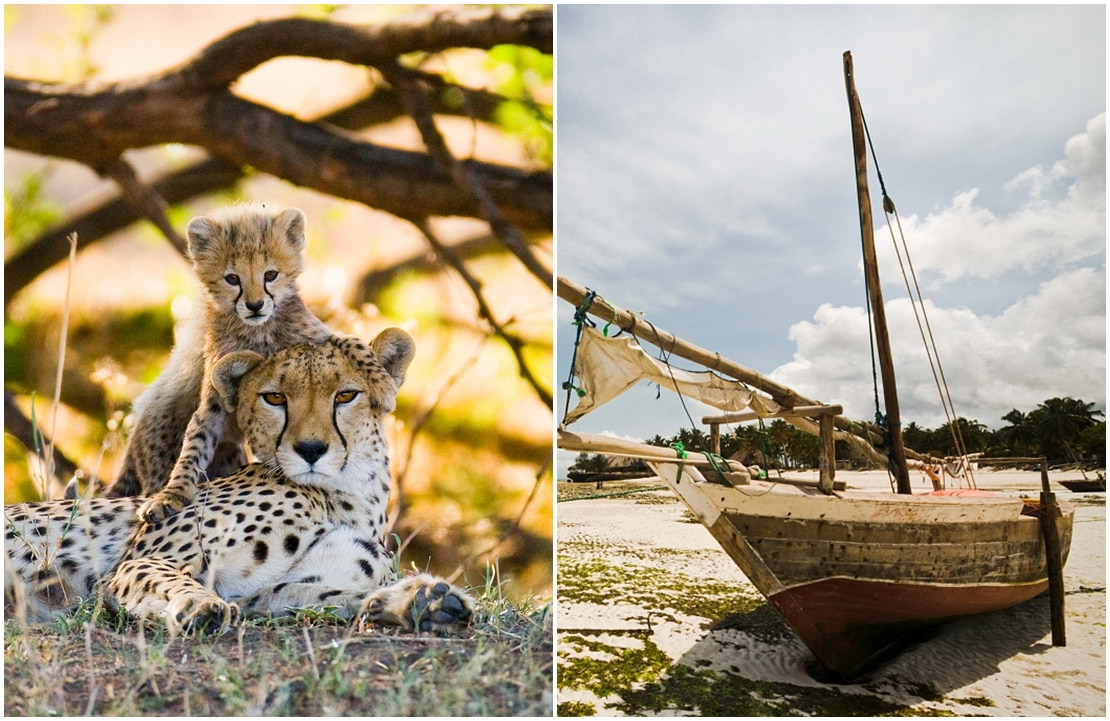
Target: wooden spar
x=796, y=412
x=592, y=443
x=642, y=329
x=786, y=397
x=871, y=272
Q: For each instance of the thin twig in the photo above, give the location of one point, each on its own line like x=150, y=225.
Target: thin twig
x=516, y=345
x=144, y=200
x=415, y=90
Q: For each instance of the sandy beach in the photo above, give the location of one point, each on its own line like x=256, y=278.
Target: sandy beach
x=655, y=619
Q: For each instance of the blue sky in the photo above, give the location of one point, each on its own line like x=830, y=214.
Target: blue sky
x=704, y=175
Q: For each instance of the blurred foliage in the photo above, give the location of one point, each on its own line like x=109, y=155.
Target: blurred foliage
x=27, y=212
x=525, y=74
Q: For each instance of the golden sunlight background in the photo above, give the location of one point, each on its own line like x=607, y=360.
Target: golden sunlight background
x=471, y=439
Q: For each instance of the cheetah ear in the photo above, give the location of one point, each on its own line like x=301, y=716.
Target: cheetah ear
x=292, y=221
x=227, y=374
x=395, y=350
x=202, y=234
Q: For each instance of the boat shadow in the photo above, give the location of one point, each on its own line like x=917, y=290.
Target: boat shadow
x=938, y=661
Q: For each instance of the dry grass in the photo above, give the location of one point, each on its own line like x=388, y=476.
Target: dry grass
x=93, y=663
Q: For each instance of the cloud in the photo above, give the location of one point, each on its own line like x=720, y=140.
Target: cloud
x=1049, y=344
x=1049, y=228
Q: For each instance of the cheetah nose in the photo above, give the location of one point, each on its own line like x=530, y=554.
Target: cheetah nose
x=255, y=306
x=310, y=450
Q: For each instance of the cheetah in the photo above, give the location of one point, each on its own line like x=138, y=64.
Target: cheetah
x=247, y=259
x=302, y=527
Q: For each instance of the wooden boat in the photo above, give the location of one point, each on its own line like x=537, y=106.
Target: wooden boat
x=855, y=574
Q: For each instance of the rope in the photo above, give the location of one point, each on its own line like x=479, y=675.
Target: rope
x=682, y=455
x=580, y=320
x=880, y=419
x=917, y=303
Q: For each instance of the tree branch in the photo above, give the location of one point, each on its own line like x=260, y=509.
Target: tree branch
x=433, y=30
x=94, y=123
x=96, y=129
x=516, y=345
x=144, y=200
x=206, y=176
x=416, y=95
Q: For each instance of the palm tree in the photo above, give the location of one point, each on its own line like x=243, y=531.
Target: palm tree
x=1021, y=434
x=1059, y=421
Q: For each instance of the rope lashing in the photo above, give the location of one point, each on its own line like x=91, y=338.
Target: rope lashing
x=580, y=320
x=682, y=455
x=717, y=463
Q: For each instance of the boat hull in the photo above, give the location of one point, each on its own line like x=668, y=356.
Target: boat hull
x=856, y=574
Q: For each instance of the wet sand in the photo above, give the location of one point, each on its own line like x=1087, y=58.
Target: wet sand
x=655, y=619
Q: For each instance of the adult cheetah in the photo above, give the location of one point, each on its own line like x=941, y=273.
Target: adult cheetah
x=302, y=527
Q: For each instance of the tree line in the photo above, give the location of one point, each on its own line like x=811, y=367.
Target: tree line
x=1064, y=430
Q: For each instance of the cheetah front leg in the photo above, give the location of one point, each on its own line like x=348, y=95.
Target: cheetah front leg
x=150, y=588
x=206, y=429
x=353, y=574
x=420, y=603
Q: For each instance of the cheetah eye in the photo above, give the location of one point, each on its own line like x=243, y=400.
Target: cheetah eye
x=231, y=279
x=344, y=397
x=271, y=276
x=274, y=399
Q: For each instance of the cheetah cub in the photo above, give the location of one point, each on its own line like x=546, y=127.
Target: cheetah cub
x=247, y=259
x=303, y=527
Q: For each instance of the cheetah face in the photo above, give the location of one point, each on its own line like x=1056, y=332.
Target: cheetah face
x=248, y=258
x=316, y=412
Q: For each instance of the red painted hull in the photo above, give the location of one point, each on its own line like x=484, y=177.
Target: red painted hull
x=849, y=624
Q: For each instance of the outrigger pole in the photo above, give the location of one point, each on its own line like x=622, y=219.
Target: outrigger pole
x=871, y=273
x=646, y=331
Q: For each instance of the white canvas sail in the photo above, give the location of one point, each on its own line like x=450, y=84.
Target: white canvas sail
x=607, y=367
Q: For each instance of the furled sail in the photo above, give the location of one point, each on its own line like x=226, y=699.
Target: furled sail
x=608, y=367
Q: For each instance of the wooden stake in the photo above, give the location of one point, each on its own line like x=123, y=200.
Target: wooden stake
x=1054, y=566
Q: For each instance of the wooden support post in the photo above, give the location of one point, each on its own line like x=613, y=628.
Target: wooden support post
x=715, y=438
x=1050, y=512
x=826, y=455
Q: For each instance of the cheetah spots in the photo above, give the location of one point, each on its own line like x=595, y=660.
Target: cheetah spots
x=260, y=552
x=291, y=544
x=366, y=568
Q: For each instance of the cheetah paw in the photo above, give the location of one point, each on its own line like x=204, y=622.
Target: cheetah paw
x=421, y=603
x=162, y=505
x=207, y=614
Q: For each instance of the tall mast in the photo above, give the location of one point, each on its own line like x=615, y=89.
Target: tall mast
x=871, y=273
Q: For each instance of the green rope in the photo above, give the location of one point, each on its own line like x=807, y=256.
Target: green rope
x=580, y=320
x=718, y=464
x=682, y=454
